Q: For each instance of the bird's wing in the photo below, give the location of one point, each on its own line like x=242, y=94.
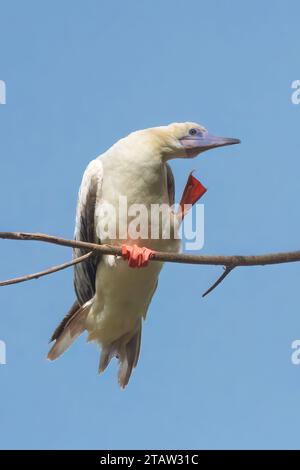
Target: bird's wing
x=170, y=185
x=85, y=230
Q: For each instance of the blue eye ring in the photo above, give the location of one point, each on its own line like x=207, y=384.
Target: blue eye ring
x=193, y=131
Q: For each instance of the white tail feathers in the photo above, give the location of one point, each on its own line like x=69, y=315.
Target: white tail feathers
x=126, y=348
x=126, y=351
x=72, y=329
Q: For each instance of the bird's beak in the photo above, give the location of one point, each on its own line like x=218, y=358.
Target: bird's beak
x=199, y=143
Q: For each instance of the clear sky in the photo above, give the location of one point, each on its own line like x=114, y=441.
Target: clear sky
x=213, y=372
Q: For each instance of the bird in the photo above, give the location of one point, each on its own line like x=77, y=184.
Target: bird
x=113, y=293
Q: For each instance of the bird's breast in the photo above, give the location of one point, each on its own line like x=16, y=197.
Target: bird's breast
x=134, y=207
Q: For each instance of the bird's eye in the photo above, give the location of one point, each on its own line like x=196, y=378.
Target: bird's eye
x=193, y=131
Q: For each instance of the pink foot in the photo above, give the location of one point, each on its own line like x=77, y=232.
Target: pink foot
x=137, y=257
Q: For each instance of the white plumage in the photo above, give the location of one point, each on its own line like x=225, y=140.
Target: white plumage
x=113, y=298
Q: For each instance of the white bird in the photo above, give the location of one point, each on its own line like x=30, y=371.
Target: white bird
x=112, y=298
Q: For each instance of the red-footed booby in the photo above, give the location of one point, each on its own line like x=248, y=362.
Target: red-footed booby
x=112, y=297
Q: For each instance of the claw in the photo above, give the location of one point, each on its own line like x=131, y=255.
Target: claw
x=137, y=257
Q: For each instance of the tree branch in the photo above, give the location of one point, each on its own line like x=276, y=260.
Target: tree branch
x=229, y=262
x=54, y=269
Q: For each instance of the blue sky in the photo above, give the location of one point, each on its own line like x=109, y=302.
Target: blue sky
x=213, y=372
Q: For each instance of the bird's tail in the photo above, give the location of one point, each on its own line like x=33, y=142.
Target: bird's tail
x=127, y=350
x=69, y=329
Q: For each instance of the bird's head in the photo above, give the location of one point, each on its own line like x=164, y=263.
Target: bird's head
x=187, y=140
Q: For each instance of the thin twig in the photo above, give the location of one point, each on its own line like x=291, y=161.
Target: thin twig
x=227, y=270
x=29, y=277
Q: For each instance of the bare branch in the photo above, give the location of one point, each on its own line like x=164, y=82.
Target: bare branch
x=230, y=262
x=29, y=277
x=213, y=260
x=227, y=270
